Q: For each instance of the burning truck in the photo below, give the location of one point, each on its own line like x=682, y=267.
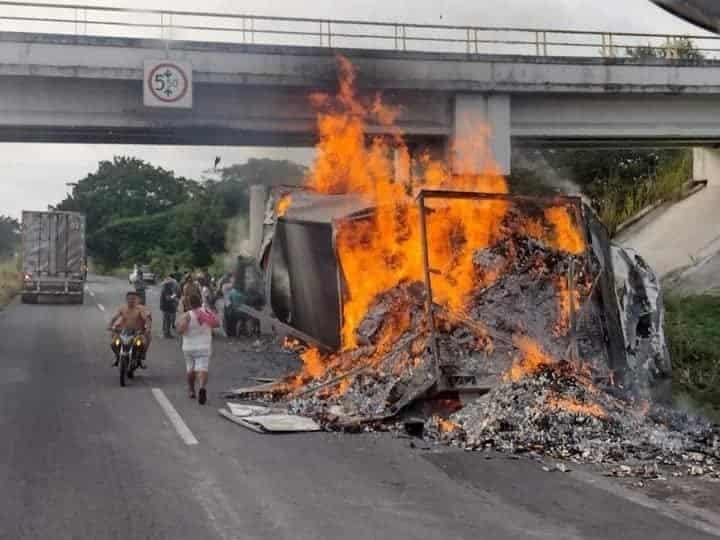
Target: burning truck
x=397, y=280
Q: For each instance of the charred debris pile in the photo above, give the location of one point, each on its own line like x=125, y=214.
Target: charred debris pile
x=558, y=412
x=556, y=349
x=523, y=289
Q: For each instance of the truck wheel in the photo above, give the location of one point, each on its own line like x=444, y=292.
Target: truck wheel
x=29, y=299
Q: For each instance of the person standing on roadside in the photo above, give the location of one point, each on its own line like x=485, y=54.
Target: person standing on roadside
x=196, y=327
x=189, y=288
x=140, y=285
x=226, y=285
x=169, y=297
x=206, y=293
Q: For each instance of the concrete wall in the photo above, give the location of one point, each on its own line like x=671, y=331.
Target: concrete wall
x=706, y=165
x=678, y=234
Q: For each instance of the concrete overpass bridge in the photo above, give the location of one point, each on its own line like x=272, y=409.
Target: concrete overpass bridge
x=78, y=77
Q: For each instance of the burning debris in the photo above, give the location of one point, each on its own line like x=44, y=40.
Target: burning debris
x=442, y=282
x=520, y=290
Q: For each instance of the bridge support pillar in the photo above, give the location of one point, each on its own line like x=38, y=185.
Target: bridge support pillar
x=258, y=197
x=481, y=137
x=706, y=165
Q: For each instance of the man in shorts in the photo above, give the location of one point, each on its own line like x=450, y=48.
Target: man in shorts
x=133, y=316
x=196, y=328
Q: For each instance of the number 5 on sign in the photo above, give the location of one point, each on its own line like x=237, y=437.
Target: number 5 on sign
x=167, y=83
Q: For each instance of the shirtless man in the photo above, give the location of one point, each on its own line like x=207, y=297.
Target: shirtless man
x=133, y=316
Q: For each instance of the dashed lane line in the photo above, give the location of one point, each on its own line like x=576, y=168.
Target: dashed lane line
x=101, y=307
x=175, y=419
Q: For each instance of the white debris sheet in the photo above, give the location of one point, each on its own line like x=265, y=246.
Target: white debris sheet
x=264, y=420
x=243, y=409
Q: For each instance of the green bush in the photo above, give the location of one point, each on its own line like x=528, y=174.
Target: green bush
x=692, y=326
x=620, y=183
x=618, y=200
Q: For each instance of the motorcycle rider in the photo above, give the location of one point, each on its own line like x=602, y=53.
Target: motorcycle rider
x=133, y=316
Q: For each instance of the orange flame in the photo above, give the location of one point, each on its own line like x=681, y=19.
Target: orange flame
x=574, y=406
x=565, y=301
x=313, y=365
x=568, y=236
x=445, y=426
x=532, y=358
x=379, y=253
x=283, y=204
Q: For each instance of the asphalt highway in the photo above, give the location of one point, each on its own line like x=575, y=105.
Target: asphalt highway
x=83, y=458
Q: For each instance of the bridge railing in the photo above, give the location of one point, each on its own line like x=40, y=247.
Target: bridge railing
x=170, y=26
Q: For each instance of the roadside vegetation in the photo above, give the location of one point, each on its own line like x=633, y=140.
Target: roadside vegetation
x=692, y=326
x=618, y=200
x=10, y=282
x=9, y=269
x=141, y=214
x=618, y=183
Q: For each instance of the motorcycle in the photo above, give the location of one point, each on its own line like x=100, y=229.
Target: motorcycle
x=128, y=346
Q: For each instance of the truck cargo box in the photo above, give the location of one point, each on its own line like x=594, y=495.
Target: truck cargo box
x=53, y=254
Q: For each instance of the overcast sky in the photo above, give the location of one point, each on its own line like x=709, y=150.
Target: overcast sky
x=34, y=175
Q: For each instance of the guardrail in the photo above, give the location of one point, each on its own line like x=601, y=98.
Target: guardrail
x=169, y=25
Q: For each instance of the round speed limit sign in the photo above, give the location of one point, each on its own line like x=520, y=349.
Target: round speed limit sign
x=167, y=82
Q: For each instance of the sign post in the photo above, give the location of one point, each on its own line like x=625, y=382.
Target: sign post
x=167, y=83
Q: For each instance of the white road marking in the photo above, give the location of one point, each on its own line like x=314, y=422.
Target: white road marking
x=175, y=419
x=91, y=293
x=101, y=307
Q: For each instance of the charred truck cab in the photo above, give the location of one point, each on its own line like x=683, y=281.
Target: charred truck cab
x=53, y=257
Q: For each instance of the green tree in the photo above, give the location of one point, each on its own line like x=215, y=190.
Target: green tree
x=187, y=235
x=126, y=187
x=9, y=235
x=619, y=182
x=140, y=213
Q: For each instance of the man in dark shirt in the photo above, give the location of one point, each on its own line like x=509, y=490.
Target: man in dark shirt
x=169, y=298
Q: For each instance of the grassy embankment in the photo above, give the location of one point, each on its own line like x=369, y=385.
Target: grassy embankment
x=617, y=203
x=9, y=281
x=693, y=332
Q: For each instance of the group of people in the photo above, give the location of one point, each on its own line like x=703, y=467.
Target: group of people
x=176, y=292
x=195, y=325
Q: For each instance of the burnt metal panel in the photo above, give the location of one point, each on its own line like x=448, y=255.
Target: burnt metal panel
x=600, y=243
x=305, y=290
